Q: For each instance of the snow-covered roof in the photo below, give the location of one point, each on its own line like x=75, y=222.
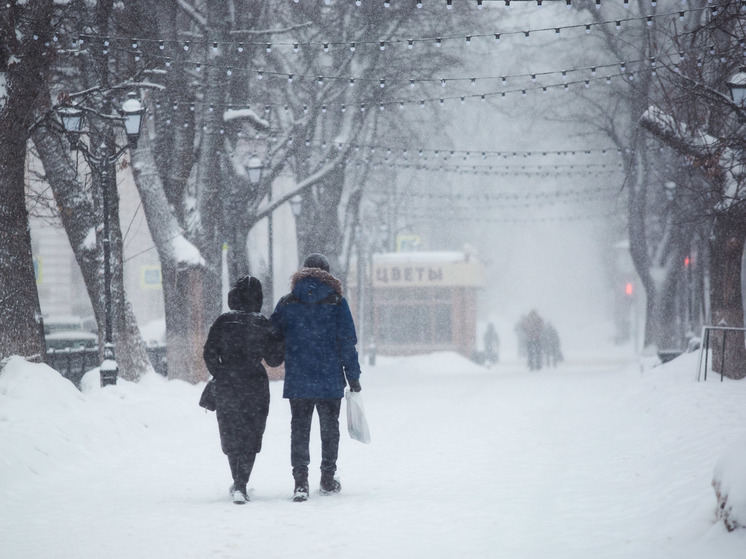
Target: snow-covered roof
x=422, y=256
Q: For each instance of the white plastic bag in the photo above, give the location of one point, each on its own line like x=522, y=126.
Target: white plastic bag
x=357, y=425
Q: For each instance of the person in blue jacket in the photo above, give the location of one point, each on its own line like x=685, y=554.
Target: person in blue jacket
x=320, y=357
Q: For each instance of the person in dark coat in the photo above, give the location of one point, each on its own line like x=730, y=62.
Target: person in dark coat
x=236, y=344
x=491, y=344
x=551, y=345
x=320, y=355
x=532, y=327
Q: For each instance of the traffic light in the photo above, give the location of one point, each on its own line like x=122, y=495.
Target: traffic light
x=629, y=289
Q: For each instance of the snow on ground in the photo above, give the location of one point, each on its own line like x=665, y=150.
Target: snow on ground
x=595, y=459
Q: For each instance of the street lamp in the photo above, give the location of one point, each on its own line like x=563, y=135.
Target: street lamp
x=254, y=168
x=296, y=205
x=72, y=121
x=132, y=111
x=71, y=117
x=737, y=87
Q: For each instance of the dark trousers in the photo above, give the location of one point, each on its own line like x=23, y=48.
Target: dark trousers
x=241, y=466
x=533, y=348
x=300, y=432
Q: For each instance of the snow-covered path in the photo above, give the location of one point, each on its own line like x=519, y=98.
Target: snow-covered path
x=583, y=461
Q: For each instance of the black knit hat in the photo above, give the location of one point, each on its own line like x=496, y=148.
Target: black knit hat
x=246, y=295
x=316, y=260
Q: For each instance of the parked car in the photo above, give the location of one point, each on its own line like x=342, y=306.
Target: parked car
x=63, y=339
x=58, y=323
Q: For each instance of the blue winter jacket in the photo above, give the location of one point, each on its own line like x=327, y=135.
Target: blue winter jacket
x=319, y=336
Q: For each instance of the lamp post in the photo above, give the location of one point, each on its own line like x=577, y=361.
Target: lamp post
x=737, y=87
x=296, y=207
x=254, y=169
x=72, y=117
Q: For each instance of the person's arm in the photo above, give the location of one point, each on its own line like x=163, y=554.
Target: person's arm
x=212, y=350
x=275, y=350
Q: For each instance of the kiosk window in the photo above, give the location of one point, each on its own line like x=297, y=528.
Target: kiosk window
x=423, y=323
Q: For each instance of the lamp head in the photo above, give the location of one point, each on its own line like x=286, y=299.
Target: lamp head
x=71, y=118
x=132, y=111
x=254, y=168
x=296, y=204
x=737, y=87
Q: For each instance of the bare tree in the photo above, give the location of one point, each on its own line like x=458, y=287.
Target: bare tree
x=25, y=57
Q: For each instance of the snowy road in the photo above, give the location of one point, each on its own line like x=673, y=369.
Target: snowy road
x=589, y=460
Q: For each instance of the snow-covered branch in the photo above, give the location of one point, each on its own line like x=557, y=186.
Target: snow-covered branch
x=246, y=114
x=192, y=12
x=701, y=146
x=304, y=184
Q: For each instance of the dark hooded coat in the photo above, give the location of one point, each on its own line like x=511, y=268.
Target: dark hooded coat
x=236, y=344
x=319, y=336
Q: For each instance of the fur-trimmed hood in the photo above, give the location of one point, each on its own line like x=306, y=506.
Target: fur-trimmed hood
x=308, y=280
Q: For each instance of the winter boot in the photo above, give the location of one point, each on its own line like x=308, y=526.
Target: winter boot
x=240, y=497
x=301, y=488
x=329, y=484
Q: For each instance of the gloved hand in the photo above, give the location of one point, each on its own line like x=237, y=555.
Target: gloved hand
x=354, y=385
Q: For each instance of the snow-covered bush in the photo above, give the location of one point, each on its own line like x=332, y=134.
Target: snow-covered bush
x=729, y=482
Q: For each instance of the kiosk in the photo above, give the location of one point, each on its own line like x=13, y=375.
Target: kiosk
x=420, y=302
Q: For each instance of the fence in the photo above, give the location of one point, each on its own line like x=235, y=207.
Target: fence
x=73, y=363
x=705, y=346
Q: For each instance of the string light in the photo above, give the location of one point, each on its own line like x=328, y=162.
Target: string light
x=469, y=37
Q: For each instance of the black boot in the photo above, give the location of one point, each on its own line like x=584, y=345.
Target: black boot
x=329, y=484
x=301, y=488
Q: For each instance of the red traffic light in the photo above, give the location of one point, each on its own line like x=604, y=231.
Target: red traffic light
x=628, y=289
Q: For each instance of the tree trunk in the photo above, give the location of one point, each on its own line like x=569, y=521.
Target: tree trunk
x=20, y=313
x=24, y=63
x=318, y=224
x=726, y=254
x=181, y=271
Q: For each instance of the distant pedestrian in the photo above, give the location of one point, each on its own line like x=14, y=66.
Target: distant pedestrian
x=236, y=344
x=491, y=344
x=320, y=355
x=532, y=327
